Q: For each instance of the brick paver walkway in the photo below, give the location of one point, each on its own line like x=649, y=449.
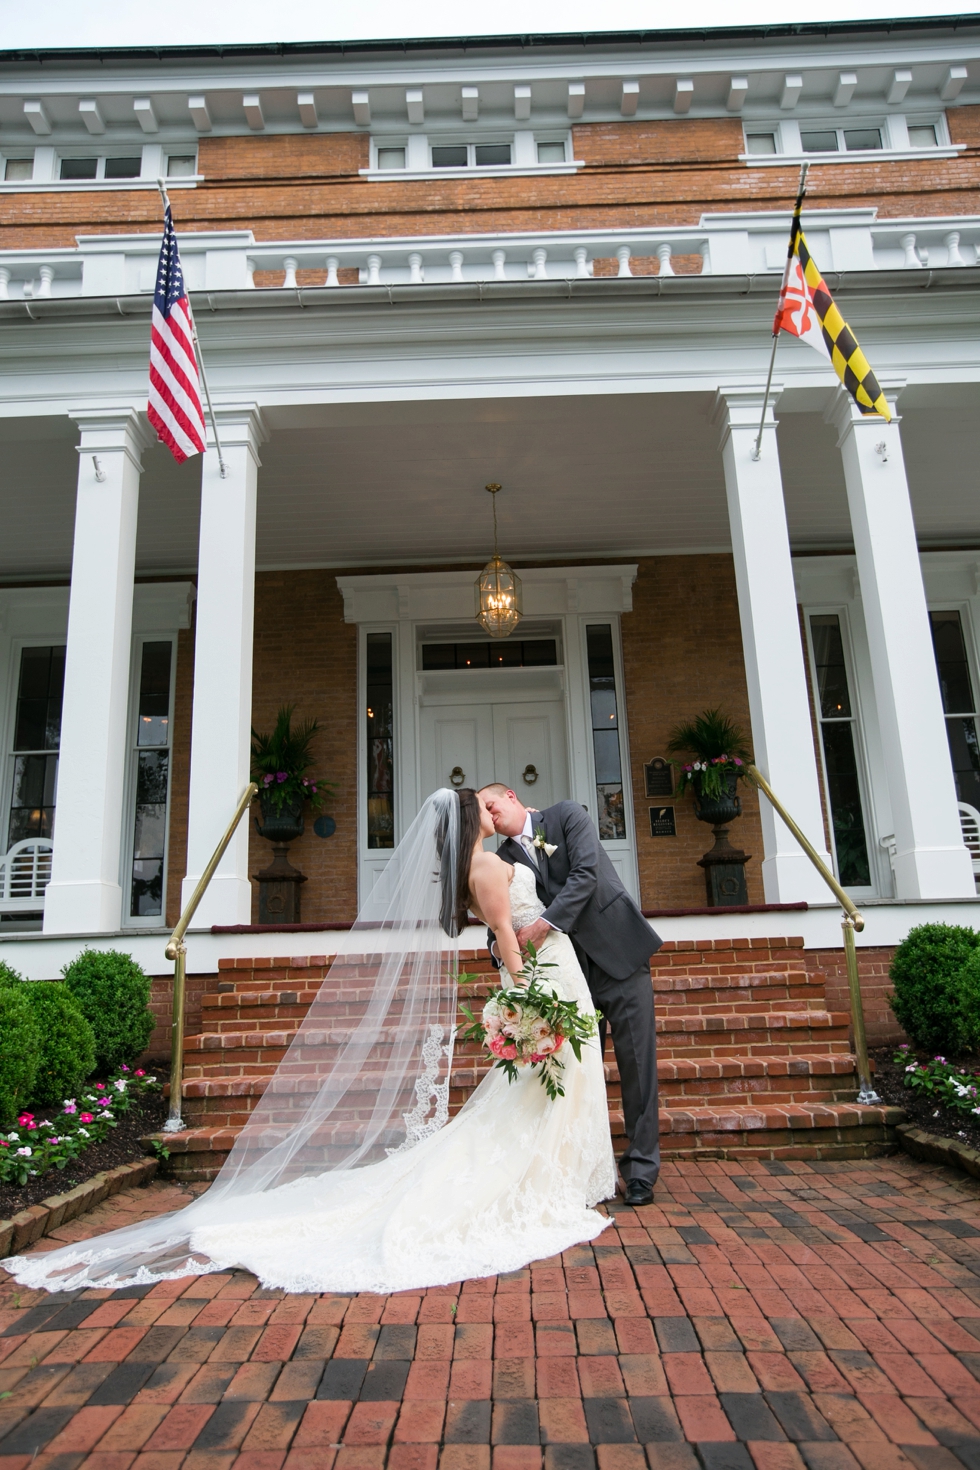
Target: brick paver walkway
x=765, y=1316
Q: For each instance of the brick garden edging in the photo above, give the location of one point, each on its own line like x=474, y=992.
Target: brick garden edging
x=935, y=1149
x=38, y=1220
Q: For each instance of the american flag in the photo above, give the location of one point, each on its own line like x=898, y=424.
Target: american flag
x=174, y=408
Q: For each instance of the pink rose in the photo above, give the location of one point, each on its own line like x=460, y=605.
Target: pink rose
x=509, y=1053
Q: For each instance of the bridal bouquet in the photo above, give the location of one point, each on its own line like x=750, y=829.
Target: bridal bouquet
x=527, y=1026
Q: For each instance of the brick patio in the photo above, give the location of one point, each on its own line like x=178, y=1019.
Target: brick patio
x=768, y=1315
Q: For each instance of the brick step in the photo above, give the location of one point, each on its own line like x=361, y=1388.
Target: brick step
x=839, y=1131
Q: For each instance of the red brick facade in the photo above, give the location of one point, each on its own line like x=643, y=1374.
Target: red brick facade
x=636, y=173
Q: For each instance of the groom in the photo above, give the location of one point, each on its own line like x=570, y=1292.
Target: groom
x=584, y=899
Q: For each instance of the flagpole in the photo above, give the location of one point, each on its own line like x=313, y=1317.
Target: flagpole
x=757, y=447
x=222, y=467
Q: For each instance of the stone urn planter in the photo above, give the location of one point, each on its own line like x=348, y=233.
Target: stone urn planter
x=280, y=884
x=717, y=756
x=724, y=865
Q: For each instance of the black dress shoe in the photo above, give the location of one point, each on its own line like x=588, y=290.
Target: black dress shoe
x=639, y=1192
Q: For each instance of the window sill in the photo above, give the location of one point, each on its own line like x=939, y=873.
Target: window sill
x=73, y=186
x=857, y=155
x=499, y=171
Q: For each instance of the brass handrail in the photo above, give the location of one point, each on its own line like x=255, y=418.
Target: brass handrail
x=852, y=920
x=177, y=951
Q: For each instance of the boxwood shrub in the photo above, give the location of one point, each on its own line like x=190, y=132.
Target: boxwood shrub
x=19, y=1045
x=66, y=1054
x=113, y=993
x=936, y=975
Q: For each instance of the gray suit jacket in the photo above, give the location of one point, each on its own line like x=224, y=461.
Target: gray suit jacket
x=582, y=891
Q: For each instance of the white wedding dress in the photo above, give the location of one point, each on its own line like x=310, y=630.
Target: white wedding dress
x=511, y=1179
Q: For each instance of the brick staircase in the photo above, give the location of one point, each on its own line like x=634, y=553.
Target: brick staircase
x=751, y=1063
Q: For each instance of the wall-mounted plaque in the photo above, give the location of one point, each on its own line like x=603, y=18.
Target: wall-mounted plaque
x=660, y=777
x=662, y=821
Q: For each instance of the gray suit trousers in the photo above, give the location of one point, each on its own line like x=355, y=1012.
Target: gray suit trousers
x=627, y=1008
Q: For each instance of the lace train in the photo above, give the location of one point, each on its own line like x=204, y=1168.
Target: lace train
x=511, y=1179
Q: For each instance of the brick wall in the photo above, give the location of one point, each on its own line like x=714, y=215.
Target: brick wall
x=637, y=173
x=682, y=653
x=879, y=1022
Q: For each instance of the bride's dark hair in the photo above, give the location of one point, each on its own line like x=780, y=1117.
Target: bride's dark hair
x=455, y=866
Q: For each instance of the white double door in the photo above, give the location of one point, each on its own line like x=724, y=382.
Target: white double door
x=521, y=743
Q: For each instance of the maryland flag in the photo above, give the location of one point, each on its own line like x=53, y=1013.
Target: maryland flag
x=807, y=309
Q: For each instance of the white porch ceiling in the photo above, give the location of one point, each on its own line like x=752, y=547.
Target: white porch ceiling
x=402, y=483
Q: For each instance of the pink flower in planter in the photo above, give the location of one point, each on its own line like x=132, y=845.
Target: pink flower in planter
x=100, y=1087
x=140, y=1072
x=70, y=1105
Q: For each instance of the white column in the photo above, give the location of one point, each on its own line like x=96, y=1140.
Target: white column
x=930, y=859
x=782, y=733
x=85, y=893
x=222, y=714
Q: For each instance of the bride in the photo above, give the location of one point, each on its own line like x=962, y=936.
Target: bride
x=350, y=1175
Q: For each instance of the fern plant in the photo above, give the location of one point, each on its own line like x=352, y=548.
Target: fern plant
x=282, y=760
x=718, y=747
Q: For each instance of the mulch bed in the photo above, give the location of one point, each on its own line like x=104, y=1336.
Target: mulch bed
x=924, y=1111
x=121, y=1147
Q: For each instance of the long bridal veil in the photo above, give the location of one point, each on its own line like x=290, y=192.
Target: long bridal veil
x=365, y=1076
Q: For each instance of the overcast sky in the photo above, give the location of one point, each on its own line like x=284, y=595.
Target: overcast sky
x=139, y=22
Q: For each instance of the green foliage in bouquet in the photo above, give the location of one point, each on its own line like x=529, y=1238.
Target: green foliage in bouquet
x=280, y=763
x=526, y=1025
x=718, y=747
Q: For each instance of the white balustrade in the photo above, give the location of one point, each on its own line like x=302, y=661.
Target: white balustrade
x=952, y=243
x=912, y=261
x=728, y=245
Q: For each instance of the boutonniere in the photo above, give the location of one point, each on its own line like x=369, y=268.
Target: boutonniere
x=546, y=847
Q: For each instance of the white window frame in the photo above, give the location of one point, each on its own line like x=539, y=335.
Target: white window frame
x=523, y=145
x=877, y=860
x=17, y=646
x=372, y=861
x=892, y=126
x=145, y=921
x=966, y=610
x=46, y=158
x=623, y=851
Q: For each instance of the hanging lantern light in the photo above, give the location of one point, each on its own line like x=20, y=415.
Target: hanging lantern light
x=498, y=589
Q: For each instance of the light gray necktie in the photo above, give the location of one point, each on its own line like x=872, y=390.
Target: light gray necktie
x=528, y=845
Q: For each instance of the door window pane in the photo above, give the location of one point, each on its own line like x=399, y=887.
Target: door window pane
x=380, y=750
x=610, y=810
x=837, y=737
x=152, y=781
x=956, y=688
x=37, y=734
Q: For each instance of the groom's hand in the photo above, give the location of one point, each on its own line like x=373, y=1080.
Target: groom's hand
x=535, y=934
